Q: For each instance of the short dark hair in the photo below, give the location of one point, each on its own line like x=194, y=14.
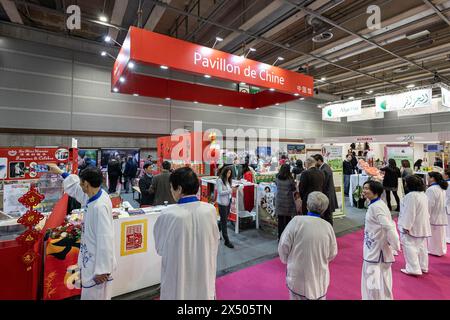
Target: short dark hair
x=439, y=179
x=415, y=183
x=318, y=157
x=187, y=179
x=375, y=186
x=166, y=165
x=146, y=165
x=93, y=176
x=392, y=163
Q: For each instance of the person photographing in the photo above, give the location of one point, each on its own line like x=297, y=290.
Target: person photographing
x=96, y=259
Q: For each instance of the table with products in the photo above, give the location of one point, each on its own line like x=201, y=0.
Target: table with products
x=359, y=180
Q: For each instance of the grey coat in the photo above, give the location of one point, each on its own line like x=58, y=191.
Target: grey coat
x=284, y=200
x=161, y=188
x=328, y=187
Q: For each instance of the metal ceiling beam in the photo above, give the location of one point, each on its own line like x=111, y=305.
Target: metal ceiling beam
x=11, y=11
x=261, y=15
x=438, y=12
x=120, y=7
x=160, y=3
x=336, y=25
x=155, y=16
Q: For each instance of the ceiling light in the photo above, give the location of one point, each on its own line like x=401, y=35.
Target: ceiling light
x=122, y=79
x=207, y=76
x=107, y=39
x=369, y=92
x=136, y=94
x=219, y=39
x=296, y=94
x=302, y=99
x=272, y=89
x=323, y=79
x=103, y=18
x=103, y=53
x=131, y=65
x=164, y=67
x=409, y=86
x=242, y=83
x=252, y=49
x=280, y=58
x=116, y=90
x=418, y=35
x=351, y=98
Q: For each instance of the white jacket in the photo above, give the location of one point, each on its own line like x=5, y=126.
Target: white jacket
x=447, y=200
x=436, y=206
x=380, y=234
x=307, y=245
x=224, y=193
x=96, y=255
x=414, y=215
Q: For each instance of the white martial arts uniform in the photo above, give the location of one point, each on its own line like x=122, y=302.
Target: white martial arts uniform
x=187, y=239
x=447, y=210
x=96, y=255
x=437, y=244
x=307, y=245
x=380, y=239
x=414, y=217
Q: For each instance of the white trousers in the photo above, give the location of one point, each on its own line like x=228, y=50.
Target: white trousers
x=293, y=296
x=376, y=281
x=447, y=229
x=437, y=244
x=99, y=292
x=415, y=251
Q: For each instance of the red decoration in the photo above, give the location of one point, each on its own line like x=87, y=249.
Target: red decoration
x=28, y=259
x=32, y=198
x=30, y=218
x=29, y=237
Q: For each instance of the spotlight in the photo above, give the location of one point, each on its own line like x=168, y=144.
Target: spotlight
x=207, y=76
x=241, y=108
x=296, y=94
x=131, y=65
x=272, y=89
x=103, y=53
x=136, y=94
x=410, y=86
x=248, y=52
x=301, y=99
x=278, y=59
x=122, y=79
x=107, y=39
x=164, y=67
x=195, y=102
x=220, y=105
x=218, y=39
x=167, y=99
x=369, y=92
x=323, y=79
x=351, y=98
x=103, y=18
x=116, y=90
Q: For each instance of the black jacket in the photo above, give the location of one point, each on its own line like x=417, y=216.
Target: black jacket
x=130, y=169
x=311, y=180
x=391, y=176
x=348, y=168
x=114, y=169
x=145, y=183
x=297, y=170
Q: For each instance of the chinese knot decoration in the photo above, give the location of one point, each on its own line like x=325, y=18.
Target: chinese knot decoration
x=30, y=219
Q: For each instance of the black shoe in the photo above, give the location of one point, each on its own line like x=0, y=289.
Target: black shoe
x=229, y=244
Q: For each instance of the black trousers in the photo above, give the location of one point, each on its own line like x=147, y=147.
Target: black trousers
x=113, y=184
x=328, y=216
x=388, y=199
x=224, y=212
x=282, y=223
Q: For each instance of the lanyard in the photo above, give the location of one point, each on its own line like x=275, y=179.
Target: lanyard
x=188, y=199
x=313, y=214
x=373, y=201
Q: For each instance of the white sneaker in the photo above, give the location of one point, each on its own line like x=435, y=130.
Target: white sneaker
x=409, y=273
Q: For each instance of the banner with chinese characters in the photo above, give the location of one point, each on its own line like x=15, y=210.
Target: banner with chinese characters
x=133, y=237
x=414, y=99
x=339, y=110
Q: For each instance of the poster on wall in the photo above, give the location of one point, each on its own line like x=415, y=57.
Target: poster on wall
x=296, y=151
x=399, y=153
x=264, y=151
x=11, y=195
x=333, y=156
x=133, y=237
x=30, y=163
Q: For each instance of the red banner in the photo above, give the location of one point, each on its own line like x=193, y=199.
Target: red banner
x=29, y=163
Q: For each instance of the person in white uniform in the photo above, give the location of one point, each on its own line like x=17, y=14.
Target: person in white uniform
x=96, y=259
x=437, y=244
x=307, y=245
x=187, y=239
x=447, y=203
x=414, y=227
x=380, y=240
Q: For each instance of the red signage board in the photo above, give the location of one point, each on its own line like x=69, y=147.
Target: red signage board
x=30, y=163
x=150, y=48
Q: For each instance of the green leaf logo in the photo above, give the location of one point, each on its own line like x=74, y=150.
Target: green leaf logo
x=383, y=105
x=329, y=113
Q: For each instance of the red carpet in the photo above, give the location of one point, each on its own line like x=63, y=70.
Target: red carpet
x=266, y=281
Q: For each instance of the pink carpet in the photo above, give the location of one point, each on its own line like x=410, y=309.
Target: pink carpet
x=266, y=281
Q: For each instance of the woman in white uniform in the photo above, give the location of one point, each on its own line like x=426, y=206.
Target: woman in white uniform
x=414, y=227
x=437, y=244
x=380, y=239
x=447, y=203
x=307, y=245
